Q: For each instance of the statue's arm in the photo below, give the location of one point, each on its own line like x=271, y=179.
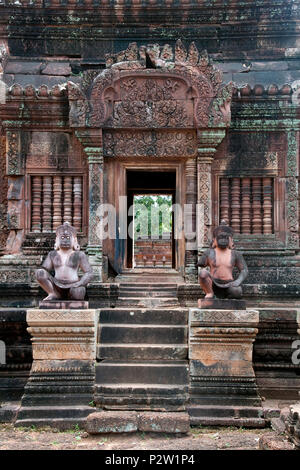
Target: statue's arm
x=87, y=269
x=48, y=263
x=203, y=260
x=240, y=263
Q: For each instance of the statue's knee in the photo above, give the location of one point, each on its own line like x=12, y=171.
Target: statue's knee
x=203, y=274
x=77, y=293
x=235, y=292
x=41, y=275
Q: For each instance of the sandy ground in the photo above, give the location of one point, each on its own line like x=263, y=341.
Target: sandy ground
x=200, y=438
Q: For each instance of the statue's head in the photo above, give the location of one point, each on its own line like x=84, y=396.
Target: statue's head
x=66, y=238
x=223, y=236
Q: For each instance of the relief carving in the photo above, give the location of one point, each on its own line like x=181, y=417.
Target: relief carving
x=183, y=92
x=149, y=143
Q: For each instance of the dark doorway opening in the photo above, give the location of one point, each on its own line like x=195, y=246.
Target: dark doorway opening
x=151, y=244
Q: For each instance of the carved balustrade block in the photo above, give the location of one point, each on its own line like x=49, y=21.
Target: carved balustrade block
x=61, y=382
x=221, y=371
x=221, y=341
x=62, y=334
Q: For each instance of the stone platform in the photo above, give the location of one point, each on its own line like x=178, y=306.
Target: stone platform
x=61, y=382
x=223, y=389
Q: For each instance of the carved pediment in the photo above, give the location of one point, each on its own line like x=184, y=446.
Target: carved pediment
x=154, y=87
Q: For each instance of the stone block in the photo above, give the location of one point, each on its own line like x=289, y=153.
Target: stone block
x=62, y=334
x=56, y=68
x=274, y=442
x=174, y=423
x=222, y=304
x=24, y=67
x=112, y=422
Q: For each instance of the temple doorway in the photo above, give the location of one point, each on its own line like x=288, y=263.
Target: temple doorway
x=151, y=195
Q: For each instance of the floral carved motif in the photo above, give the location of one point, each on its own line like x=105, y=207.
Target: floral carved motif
x=149, y=143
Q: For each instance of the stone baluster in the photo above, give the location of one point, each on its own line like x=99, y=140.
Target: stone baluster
x=57, y=201
x=267, y=205
x=47, y=203
x=246, y=205
x=77, y=191
x=224, y=199
x=67, y=203
x=235, y=205
x=256, y=206
x=36, y=225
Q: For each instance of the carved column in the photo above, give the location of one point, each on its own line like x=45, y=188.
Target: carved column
x=92, y=145
x=190, y=221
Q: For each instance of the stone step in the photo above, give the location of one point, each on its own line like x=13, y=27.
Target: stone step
x=147, y=302
x=155, y=372
x=146, y=285
x=210, y=415
x=137, y=294
x=141, y=396
x=144, y=316
x=142, y=351
x=149, y=334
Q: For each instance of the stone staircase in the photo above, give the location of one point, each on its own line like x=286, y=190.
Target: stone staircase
x=142, y=356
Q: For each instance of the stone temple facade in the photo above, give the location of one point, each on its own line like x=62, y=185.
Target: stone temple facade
x=197, y=99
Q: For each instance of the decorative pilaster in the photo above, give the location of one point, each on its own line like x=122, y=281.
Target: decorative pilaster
x=191, y=270
x=208, y=141
x=92, y=145
x=291, y=202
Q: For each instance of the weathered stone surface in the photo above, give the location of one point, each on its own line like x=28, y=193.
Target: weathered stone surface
x=164, y=422
x=112, y=422
x=131, y=421
x=293, y=425
x=274, y=442
x=56, y=68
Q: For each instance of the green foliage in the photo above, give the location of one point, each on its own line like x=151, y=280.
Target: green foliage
x=155, y=207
